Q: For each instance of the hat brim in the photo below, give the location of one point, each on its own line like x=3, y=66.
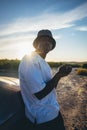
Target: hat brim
x=36, y=41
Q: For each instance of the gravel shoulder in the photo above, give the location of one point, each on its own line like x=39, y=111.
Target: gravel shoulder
x=72, y=97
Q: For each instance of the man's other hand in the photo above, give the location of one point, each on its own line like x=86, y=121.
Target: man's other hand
x=64, y=70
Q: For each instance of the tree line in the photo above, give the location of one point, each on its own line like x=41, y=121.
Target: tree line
x=13, y=64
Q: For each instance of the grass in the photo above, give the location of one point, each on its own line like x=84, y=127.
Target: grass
x=82, y=71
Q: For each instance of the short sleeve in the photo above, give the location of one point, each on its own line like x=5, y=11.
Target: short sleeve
x=34, y=79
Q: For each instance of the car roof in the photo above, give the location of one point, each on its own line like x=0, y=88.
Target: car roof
x=10, y=98
x=10, y=80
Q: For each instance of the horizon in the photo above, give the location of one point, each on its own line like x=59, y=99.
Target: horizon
x=51, y=61
x=20, y=22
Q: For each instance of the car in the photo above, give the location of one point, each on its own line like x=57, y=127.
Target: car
x=12, y=113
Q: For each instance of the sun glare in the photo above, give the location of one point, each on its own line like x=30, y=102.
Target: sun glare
x=23, y=50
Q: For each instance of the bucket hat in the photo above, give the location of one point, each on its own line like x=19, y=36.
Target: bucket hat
x=44, y=33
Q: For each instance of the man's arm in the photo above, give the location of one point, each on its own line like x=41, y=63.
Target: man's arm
x=50, y=85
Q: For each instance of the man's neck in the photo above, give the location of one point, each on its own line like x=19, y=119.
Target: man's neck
x=43, y=55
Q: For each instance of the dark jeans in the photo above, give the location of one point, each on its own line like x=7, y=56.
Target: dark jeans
x=55, y=124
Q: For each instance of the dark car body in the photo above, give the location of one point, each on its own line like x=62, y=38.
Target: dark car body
x=12, y=114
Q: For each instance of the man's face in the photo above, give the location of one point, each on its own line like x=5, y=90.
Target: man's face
x=45, y=44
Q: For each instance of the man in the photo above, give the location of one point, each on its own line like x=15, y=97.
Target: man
x=38, y=86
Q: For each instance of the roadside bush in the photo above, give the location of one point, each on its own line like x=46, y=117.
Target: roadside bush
x=84, y=66
x=82, y=71
x=55, y=64
x=6, y=64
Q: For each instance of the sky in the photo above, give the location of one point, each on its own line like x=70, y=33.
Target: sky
x=20, y=21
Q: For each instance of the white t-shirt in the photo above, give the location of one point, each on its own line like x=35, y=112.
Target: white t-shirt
x=34, y=72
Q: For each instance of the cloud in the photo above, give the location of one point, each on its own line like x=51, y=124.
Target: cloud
x=82, y=28
x=15, y=37
x=46, y=20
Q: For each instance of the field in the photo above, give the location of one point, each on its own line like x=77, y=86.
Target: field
x=72, y=97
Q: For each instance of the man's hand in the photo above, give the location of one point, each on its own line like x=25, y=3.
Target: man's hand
x=64, y=70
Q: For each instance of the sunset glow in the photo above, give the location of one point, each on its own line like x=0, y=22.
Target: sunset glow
x=23, y=50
